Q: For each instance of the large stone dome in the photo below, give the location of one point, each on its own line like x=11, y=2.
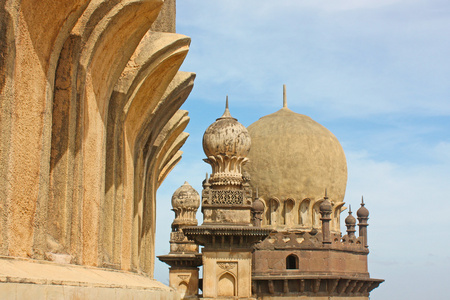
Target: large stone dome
x=292, y=156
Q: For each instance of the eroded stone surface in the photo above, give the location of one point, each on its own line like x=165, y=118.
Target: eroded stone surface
x=90, y=120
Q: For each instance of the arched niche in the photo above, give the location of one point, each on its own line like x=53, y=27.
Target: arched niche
x=316, y=214
x=226, y=287
x=304, y=213
x=292, y=262
x=273, y=211
x=289, y=216
x=336, y=217
x=182, y=289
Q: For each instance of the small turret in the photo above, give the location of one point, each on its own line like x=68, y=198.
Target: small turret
x=350, y=223
x=325, y=212
x=363, y=216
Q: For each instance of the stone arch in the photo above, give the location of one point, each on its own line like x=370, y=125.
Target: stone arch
x=336, y=217
x=292, y=262
x=316, y=223
x=274, y=211
x=226, y=286
x=182, y=289
x=289, y=216
x=304, y=213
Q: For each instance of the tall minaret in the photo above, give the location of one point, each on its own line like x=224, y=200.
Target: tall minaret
x=227, y=232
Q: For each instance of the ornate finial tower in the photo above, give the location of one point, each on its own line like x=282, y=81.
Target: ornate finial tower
x=227, y=232
x=227, y=199
x=184, y=258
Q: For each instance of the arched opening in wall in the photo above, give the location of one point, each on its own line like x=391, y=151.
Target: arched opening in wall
x=289, y=212
x=226, y=286
x=182, y=289
x=292, y=262
x=274, y=204
x=304, y=214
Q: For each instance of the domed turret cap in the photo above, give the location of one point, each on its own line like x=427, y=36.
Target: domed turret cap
x=362, y=212
x=258, y=205
x=186, y=197
x=350, y=220
x=226, y=137
x=325, y=206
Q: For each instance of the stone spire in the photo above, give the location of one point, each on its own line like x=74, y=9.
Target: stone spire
x=284, y=97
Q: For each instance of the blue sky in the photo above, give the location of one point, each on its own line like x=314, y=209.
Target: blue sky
x=376, y=74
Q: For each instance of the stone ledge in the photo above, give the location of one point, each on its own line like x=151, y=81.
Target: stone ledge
x=18, y=277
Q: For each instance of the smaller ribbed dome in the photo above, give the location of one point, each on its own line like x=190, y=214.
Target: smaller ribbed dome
x=186, y=197
x=362, y=212
x=350, y=220
x=226, y=137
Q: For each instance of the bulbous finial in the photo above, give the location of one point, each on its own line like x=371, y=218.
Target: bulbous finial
x=362, y=212
x=350, y=220
x=325, y=206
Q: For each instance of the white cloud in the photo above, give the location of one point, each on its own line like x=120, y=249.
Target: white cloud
x=367, y=58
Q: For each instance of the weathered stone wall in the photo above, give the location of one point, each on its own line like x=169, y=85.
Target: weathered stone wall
x=90, y=127
x=311, y=262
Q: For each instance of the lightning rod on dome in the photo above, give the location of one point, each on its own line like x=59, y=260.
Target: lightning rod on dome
x=284, y=96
